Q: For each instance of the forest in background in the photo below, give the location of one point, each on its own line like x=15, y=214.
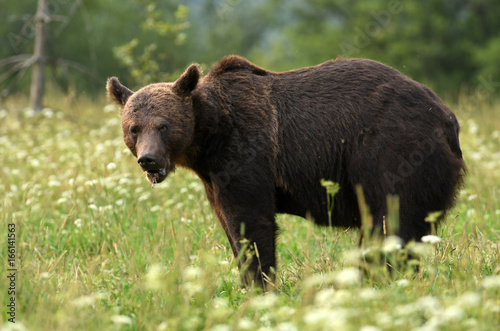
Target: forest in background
x=452, y=46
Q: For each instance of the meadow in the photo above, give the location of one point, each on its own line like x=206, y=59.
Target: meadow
x=96, y=248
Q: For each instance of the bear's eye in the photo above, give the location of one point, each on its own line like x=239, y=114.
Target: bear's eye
x=162, y=128
x=134, y=130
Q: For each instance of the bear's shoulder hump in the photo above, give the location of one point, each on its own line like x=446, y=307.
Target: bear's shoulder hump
x=236, y=63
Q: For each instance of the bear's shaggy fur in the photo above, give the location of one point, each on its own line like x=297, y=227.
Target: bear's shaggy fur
x=262, y=141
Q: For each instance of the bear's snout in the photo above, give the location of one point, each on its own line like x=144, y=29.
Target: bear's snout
x=147, y=160
x=155, y=170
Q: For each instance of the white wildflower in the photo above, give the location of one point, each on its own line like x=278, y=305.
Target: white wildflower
x=491, y=282
x=121, y=319
x=420, y=249
x=285, y=312
x=333, y=318
x=368, y=294
x=452, y=314
x=392, y=244
x=429, y=304
x=353, y=256
x=348, y=277
x=17, y=326
x=220, y=303
x=403, y=283
x=154, y=276
x=369, y=328
x=192, y=288
x=324, y=297
x=385, y=320
x=471, y=212
x=286, y=326
x=491, y=306
x=473, y=128
x=245, y=324
x=110, y=108
x=47, y=112
x=221, y=327
x=60, y=201
x=264, y=302
x=163, y=326
x=144, y=197
x=472, y=197
x=91, y=182
x=469, y=300
x=78, y=222
x=191, y=273
x=470, y=324
x=84, y=301
x=54, y=183
x=111, y=166
x=430, y=239
x=45, y=275
x=342, y=297
x=406, y=310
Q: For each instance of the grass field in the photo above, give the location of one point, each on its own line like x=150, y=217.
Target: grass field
x=97, y=249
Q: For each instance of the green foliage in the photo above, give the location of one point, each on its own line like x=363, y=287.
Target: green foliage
x=449, y=45
x=154, y=62
x=97, y=248
x=331, y=190
x=446, y=44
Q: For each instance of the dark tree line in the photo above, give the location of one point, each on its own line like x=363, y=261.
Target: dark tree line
x=75, y=44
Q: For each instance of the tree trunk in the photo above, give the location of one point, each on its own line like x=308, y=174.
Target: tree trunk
x=38, y=78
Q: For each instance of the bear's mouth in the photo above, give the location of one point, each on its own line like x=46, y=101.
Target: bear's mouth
x=156, y=176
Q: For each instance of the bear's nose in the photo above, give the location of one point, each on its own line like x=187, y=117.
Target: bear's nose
x=147, y=159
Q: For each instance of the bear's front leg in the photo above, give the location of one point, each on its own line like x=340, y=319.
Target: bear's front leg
x=247, y=215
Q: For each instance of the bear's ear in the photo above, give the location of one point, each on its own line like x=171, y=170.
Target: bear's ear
x=186, y=83
x=118, y=92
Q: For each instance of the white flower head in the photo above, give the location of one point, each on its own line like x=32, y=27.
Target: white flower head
x=286, y=326
x=348, y=277
x=111, y=166
x=453, y=314
x=121, y=319
x=403, y=283
x=154, y=276
x=392, y=244
x=430, y=239
x=491, y=282
x=84, y=301
x=469, y=300
x=110, y=108
x=78, y=222
x=332, y=318
x=245, y=324
x=324, y=297
x=369, y=328
x=221, y=327
x=191, y=273
x=264, y=302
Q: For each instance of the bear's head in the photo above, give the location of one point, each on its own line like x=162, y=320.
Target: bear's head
x=158, y=121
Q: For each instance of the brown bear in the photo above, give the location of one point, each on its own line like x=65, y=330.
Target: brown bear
x=261, y=142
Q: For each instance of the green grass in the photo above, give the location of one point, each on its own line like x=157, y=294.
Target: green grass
x=98, y=249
